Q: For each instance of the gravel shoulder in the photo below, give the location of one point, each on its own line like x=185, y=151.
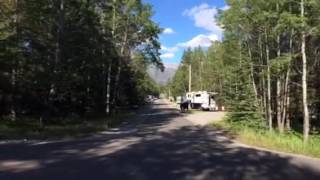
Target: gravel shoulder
x=205, y=118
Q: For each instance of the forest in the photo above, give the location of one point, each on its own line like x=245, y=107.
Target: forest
x=266, y=68
x=67, y=58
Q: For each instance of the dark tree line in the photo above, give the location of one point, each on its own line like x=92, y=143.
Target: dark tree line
x=60, y=57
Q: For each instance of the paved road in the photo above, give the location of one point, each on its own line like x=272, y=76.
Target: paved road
x=158, y=144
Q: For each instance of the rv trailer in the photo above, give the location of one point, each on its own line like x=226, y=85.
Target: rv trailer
x=202, y=100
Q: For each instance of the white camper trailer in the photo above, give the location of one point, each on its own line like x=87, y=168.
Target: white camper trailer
x=202, y=100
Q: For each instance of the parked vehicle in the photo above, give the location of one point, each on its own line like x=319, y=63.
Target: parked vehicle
x=202, y=100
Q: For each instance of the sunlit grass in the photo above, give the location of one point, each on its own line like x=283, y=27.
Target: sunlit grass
x=291, y=142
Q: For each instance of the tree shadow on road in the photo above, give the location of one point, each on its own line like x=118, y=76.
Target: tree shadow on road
x=150, y=149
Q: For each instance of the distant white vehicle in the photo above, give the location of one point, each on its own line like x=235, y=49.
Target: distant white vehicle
x=203, y=100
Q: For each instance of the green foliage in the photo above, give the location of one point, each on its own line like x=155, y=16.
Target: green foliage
x=256, y=69
x=55, y=55
x=280, y=64
x=266, y=81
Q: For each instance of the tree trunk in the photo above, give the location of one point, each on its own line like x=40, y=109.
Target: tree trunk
x=108, y=89
x=201, y=72
x=287, y=117
x=123, y=45
x=286, y=102
x=306, y=120
x=278, y=97
x=57, y=55
x=59, y=33
x=13, y=115
x=263, y=83
x=240, y=65
x=190, y=75
x=113, y=31
x=252, y=76
x=269, y=111
x=286, y=98
x=88, y=98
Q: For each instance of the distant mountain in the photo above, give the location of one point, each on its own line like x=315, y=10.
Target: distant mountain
x=162, y=78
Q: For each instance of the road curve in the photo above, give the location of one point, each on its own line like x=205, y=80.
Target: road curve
x=158, y=144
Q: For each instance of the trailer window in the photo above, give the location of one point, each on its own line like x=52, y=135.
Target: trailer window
x=198, y=95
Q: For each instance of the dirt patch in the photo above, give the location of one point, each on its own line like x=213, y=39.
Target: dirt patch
x=205, y=118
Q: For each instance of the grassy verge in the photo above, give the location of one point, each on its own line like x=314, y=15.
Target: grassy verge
x=290, y=142
x=30, y=128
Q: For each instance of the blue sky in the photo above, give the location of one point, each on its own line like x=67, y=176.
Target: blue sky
x=186, y=23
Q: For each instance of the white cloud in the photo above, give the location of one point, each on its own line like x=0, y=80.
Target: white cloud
x=168, y=52
x=204, y=16
x=200, y=40
x=168, y=31
x=224, y=8
x=169, y=49
x=167, y=55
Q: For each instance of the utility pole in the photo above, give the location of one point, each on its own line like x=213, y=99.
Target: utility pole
x=189, y=77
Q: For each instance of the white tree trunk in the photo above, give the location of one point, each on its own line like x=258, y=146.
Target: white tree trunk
x=279, y=75
x=110, y=63
x=108, y=89
x=269, y=110
x=306, y=120
x=278, y=98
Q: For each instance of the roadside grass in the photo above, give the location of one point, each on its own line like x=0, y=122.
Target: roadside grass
x=290, y=142
x=30, y=128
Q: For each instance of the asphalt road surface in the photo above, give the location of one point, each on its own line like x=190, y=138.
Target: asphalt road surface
x=159, y=144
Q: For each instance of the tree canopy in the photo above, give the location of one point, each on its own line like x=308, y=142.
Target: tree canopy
x=265, y=68
x=75, y=56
